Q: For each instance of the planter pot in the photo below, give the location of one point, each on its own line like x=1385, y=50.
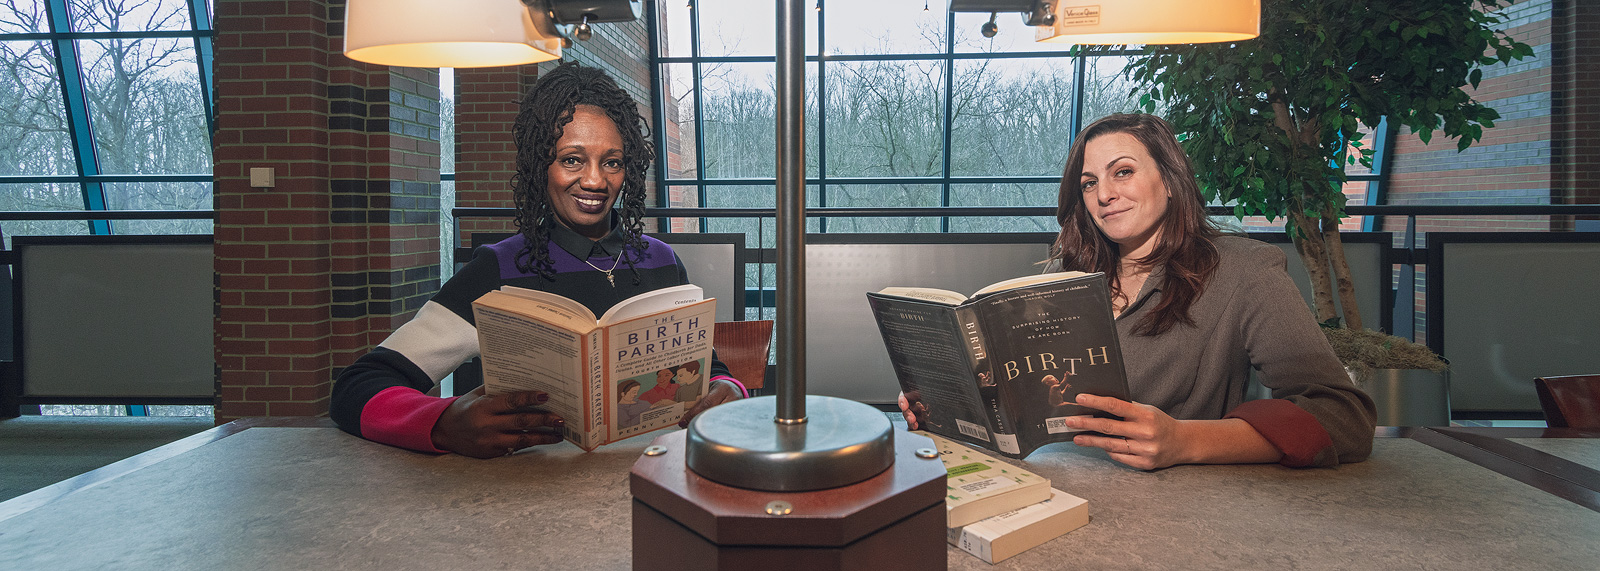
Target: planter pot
x=1408, y=397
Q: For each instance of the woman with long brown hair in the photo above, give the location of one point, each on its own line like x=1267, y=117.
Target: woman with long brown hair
x=1196, y=311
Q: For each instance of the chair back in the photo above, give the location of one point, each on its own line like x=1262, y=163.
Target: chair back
x=743, y=346
x=1571, y=401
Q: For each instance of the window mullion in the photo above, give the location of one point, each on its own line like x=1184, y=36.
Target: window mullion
x=70, y=73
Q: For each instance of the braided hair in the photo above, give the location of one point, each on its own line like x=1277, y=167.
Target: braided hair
x=545, y=111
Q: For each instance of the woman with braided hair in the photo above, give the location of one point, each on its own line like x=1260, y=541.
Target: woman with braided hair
x=581, y=150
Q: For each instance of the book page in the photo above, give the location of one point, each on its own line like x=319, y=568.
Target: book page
x=944, y=296
x=1025, y=281
x=652, y=302
x=660, y=365
x=522, y=353
x=559, y=304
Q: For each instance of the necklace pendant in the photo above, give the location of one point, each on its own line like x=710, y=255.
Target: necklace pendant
x=611, y=279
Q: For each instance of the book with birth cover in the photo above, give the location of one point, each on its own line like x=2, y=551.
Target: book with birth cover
x=1000, y=369
x=979, y=487
x=633, y=370
x=998, y=538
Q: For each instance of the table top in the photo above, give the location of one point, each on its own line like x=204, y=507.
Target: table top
x=281, y=497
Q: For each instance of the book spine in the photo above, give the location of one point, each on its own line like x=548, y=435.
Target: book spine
x=595, y=391
x=979, y=546
x=1005, y=435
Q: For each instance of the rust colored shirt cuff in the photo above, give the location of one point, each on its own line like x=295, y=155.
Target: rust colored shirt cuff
x=401, y=416
x=1289, y=428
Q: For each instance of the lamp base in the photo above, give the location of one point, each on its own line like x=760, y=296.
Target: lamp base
x=841, y=442
x=891, y=521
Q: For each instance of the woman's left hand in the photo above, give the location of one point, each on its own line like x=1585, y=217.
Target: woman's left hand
x=720, y=393
x=1150, y=438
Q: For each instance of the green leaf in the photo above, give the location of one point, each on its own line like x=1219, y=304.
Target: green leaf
x=1475, y=77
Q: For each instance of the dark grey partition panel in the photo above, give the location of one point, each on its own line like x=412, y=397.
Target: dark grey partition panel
x=1370, y=269
x=105, y=317
x=845, y=356
x=1507, y=307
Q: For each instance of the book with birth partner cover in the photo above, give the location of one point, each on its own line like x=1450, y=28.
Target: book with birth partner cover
x=979, y=487
x=633, y=370
x=1001, y=369
x=998, y=538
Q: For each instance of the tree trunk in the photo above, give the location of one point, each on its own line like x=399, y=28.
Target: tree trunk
x=1341, y=269
x=1313, y=253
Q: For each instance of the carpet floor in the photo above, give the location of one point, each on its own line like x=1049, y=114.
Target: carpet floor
x=37, y=451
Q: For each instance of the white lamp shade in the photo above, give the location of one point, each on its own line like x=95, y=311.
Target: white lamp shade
x=445, y=33
x=1152, y=21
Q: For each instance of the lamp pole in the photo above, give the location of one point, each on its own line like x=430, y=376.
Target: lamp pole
x=791, y=217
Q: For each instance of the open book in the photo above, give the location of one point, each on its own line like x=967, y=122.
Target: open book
x=1001, y=369
x=635, y=369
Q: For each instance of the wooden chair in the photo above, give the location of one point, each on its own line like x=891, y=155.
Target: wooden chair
x=1571, y=401
x=743, y=346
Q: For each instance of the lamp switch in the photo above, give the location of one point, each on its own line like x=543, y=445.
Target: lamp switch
x=262, y=177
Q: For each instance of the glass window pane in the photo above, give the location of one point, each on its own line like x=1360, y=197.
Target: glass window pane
x=740, y=120
x=159, y=196
x=25, y=17
x=885, y=195
x=1004, y=194
x=129, y=16
x=884, y=27
x=1014, y=35
x=744, y=28
x=1106, y=90
x=33, y=121
x=677, y=84
x=672, y=24
x=1012, y=117
x=145, y=106
x=885, y=118
x=36, y=197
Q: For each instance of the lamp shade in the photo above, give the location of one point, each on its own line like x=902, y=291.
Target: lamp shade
x=453, y=33
x=1152, y=21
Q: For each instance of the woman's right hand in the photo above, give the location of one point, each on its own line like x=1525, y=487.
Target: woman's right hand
x=485, y=427
x=912, y=408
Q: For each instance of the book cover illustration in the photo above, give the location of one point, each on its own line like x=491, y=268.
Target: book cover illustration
x=979, y=486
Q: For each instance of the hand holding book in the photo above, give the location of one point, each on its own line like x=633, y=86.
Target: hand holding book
x=488, y=426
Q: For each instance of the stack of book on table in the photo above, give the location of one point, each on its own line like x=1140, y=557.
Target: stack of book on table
x=997, y=510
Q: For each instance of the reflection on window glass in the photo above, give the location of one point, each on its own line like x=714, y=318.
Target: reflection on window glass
x=1106, y=90
x=677, y=85
x=740, y=118
x=129, y=15
x=25, y=17
x=1005, y=194
x=159, y=196
x=1013, y=117
x=672, y=23
x=884, y=195
x=885, y=118
x=883, y=27
x=41, y=197
x=33, y=121
x=1014, y=35
x=145, y=106
x=744, y=28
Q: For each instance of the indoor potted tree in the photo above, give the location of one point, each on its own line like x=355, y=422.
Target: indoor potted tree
x=1271, y=123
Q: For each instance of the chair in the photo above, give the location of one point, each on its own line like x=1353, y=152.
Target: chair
x=1571, y=401
x=743, y=346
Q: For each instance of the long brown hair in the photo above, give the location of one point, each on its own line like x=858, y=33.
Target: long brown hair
x=1185, y=248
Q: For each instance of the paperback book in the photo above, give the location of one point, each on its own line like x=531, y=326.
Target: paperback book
x=633, y=370
x=979, y=486
x=998, y=538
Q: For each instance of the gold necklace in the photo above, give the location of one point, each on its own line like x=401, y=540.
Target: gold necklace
x=609, y=278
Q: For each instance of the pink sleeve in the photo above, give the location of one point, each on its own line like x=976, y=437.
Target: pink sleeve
x=401, y=416
x=1290, y=429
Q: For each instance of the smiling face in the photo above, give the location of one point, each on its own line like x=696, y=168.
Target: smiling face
x=586, y=176
x=686, y=376
x=1123, y=192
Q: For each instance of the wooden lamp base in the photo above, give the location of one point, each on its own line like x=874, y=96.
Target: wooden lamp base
x=894, y=520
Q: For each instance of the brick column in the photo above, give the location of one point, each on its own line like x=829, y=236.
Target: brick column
x=486, y=107
x=1575, y=105
x=318, y=269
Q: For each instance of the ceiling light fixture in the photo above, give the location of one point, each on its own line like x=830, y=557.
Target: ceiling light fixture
x=472, y=33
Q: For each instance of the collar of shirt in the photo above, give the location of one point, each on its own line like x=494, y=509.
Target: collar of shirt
x=582, y=247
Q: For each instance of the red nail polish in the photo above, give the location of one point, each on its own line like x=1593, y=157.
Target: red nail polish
x=542, y=398
x=558, y=423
